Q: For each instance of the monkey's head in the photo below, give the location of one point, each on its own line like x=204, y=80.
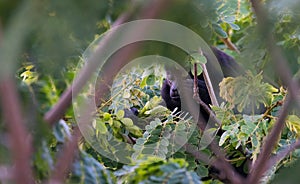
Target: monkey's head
x=170, y=79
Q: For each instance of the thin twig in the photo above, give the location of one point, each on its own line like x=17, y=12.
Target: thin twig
x=220, y=163
x=208, y=110
x=196, y=90
x=230, y=45
x=209, y=86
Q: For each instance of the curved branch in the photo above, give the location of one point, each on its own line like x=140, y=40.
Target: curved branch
x=281, y=66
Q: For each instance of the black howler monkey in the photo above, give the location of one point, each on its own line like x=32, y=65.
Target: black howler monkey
x=171, y=96
x=169, y=91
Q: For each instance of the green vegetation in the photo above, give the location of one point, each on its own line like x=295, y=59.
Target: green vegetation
x=133, y=137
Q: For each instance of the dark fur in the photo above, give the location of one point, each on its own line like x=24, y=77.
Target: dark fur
x=171, y=96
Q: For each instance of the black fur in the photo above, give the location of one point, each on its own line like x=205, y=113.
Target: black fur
x=170, y=93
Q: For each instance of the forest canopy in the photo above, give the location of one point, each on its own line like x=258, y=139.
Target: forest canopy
x=83, y=88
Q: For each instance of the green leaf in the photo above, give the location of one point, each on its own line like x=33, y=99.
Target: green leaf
x=150, y=80
x=202, y=171
x=199, y=69
x=247, y=91
x=156, y=110
x=198, y=58
x=88, y=170
x=106, y=116
x=248, y=128
x=143, y=83
x=223, y=138
x=100, y=126
x=229, y=19
x=127, y=122
x=293, y=124
x=218, y=29
x=234, y=26
x=251, y=119
x=120, y=114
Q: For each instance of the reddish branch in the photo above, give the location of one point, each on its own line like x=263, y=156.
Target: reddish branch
x=281, y=66
x=66, y=158
x=20, y=140
x=269, y=143
x=196, y=92
x=227, y=172
x=230, y=45
x=111, y=69
x=59, y=109
x=209, y=85
x=281, y=155
x=150, y=11
x=279, y=62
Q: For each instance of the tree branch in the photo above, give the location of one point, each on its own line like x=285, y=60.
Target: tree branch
x=20, y=139
x=210, y=88
x=230, y=45
x=220, y=163
x=281, y=155
x=281, y=66
x=59, y=109
x=64, y=163
x=269, y=143
x=66, y=158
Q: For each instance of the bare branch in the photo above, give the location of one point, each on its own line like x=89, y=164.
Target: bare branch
x=58, y=110
x=220, y=163
x=223, y=165
x=279, y=61
x=64, y=162
x=230, y=45
x=226, y=170
x=6, y=174
x=281, y=155
x=258, y=168
x=281, y=66
x=52, y=116
x=210, y=88
x=20, y=139
x=196, y=90
x=66, y=158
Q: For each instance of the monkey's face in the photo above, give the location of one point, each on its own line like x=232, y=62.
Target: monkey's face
x=173, y=86
x=174, y=94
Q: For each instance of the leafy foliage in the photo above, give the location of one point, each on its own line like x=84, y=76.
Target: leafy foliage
x=135, y=88
x=157, y=170
x=246, y=91
x=154, y=137
x=163, y=139
x=88, y=170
